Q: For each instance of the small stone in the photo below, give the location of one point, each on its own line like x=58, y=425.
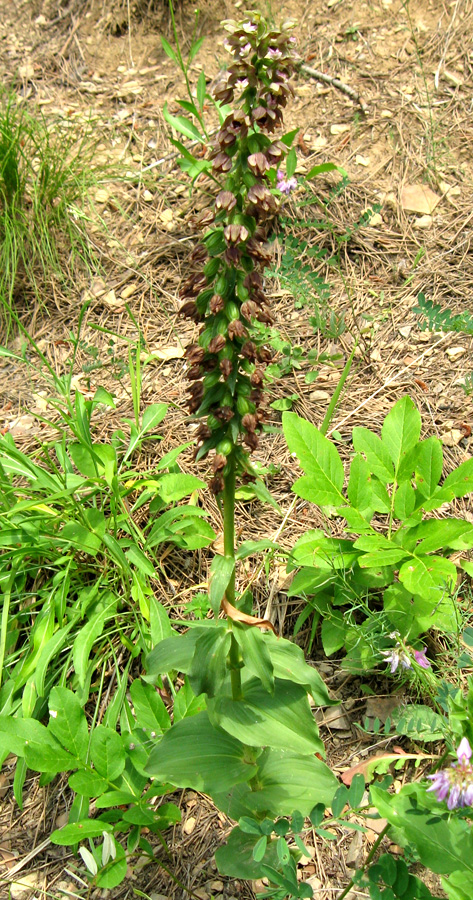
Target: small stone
x=23, y=886
x=147, y=196
x=423, y=222
x=319, y=395
x=405, y=330
x=455, y=353
x=101, y=196
x=362, y=160
x=189, y=825
x=452, y=438
x=339, y=129
x=217, y=885
x=202, y=894
x=376, y=219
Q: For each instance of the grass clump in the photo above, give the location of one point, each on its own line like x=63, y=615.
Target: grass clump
x=45, y=174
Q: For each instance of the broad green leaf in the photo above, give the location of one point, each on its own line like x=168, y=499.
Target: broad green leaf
x=87, y=783
x=183, y=126
x=411, y=615
x=428, y=465
x=428, y=576
x=291, y=163
x=255, y=653
x=153, y=416
x=444, y=845
x=377, y=455
x=316, y=550
x=115, y=871
x=30, y=739
x=460, y=481
x=67, y=722
x=221, y=573
x=176, y=487
x=289, y=664
x=333, y=633
x=115, y=798
x=137, y=558
x=51, y=651
x=359, y=488
x=436, y=534
x=457, y=887
x=174, y=652
x=150, y=711
x=106, y=752
x=81, y=538
x=186, y=703
x=324, y=167
x=282, y=719
x=160, y=624
x=404, y=501
x=235, y=859
x=209, y=665
x=78, y=831
x=195, y=754
x=382, y=557
x=286, y=781
x=401, y=430
x=318, y=458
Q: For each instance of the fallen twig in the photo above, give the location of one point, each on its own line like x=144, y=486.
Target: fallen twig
x=339, y=85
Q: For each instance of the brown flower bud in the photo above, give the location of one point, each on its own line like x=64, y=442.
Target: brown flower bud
x=264, y=315
x=194, y=373
x=194, y=354
x=225, y=200
x=226, y=367
x=223, y=413
x=217, y=343
x=219, y=462
x=196, y=390
x=265, y=355
x=190, y=311
x=258, y=249
x=203, y=218
x=216, y=484
x=221, y=162
x=236, y=329
x=232, y=255
x=251, y=440
x=249, y=421
x=253, y=280
x=216, y=304
x=235, y=233
x=256, y=378
x=249, y=310
x=256, y=396
x=203, y=432
x=258, y=163
x=249, y=350
x=199, y=254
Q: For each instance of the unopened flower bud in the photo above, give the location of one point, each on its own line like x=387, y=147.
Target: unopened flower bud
x=249, y=350
x=226, y=367
x=217, y=343
x=217, y=484
x=236, y=329
x=225, y=200
x=216, y=304
x=258, y=163
x=235, y=233
x=219, y=462
x=249, y=421
x=251, y=440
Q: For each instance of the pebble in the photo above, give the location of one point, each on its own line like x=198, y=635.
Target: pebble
x=24, y=885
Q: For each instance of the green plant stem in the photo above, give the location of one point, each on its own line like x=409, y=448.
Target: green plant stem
x=338, y=390
x=368, y=860
x=229, y=550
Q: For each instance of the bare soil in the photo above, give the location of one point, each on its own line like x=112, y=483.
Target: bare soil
x=99, y=64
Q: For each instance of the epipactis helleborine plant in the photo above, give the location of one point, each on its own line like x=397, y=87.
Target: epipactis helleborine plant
x=225, y=292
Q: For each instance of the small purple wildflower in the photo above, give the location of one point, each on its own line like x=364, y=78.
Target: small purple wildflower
x=396, y=656
x=285, y=186
x=274, y=53
x=455, y=784
x=421, y=659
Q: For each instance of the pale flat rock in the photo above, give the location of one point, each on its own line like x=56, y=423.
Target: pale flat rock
x=423, y=222
x=455, y=353
x=418, y=198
